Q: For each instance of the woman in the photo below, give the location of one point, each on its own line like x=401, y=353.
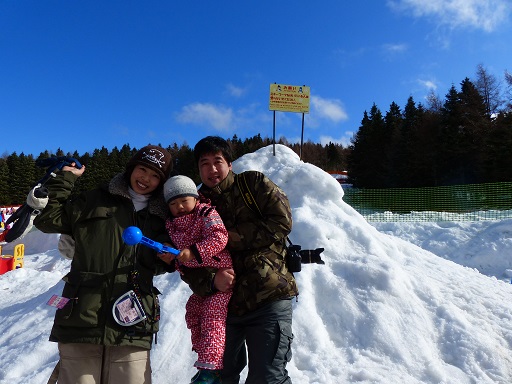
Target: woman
x=105, y=329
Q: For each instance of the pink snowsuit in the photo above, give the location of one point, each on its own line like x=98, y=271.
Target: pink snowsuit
x=203, y=232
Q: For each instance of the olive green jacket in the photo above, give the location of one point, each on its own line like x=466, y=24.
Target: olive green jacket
x=256, y=242
x=102, y=265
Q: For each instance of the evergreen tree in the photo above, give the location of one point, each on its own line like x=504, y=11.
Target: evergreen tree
x=450, y=166
x=5, y=198
x=185, y=163
x=79, y=184
x=99, y=170
x=498, y=159
x=252, y=144
x=173, y=150
x=392, y=148
x=475, y=126
x=357, y=147
x=313, y=153
x=60, y=152
x=125, y=154
x=334, y=157
x=404, y=167
x=21, y=176
x=236, y=146
x=377, y=157
x=41, y=171
x=115, y=161
x=364, y=166
x=424, y=148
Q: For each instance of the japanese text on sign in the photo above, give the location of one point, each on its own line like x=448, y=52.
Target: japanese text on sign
x=289, y=98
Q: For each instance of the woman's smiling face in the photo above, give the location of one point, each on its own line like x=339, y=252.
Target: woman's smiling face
x=144, y=180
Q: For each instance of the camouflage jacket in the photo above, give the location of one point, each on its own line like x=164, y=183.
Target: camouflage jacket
x=256, y=243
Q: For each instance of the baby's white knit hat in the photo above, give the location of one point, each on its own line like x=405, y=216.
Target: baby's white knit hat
x=179, y=186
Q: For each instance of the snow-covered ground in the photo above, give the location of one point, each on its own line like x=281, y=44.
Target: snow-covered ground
x=396, y=302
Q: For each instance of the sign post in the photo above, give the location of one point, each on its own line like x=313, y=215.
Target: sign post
x=289, y=98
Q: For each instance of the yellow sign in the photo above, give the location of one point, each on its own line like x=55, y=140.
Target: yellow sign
x=289, y=98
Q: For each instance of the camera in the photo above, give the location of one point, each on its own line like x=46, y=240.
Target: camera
x=293, y=258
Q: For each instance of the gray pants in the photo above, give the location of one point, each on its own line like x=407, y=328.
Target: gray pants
x=94, y=364
x=267, y=334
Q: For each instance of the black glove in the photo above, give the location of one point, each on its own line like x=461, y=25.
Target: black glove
x=311, y=256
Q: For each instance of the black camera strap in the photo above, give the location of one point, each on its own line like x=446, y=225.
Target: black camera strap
x=247, y=194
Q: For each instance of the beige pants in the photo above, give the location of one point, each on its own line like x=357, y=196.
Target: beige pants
x=97, y=364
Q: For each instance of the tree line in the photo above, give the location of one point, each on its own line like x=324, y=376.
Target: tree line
x=464, y=139
x=19, y=173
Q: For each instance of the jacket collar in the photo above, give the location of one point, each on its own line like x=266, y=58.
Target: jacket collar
x=156, y=204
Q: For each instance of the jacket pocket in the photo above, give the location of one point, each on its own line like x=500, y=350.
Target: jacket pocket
x=275, y=266
x=86, y=291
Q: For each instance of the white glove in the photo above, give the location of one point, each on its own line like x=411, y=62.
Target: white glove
x=37, y=203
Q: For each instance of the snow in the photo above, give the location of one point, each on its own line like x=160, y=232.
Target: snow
x=395, y=302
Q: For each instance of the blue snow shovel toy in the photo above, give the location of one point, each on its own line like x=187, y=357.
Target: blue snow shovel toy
x=133, y=235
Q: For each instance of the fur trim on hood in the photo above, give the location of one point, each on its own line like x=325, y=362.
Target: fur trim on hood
x=156, y=204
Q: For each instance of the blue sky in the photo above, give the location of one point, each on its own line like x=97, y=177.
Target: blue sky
x=79, y=75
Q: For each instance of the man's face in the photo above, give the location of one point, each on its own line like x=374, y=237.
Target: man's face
x=213, y=168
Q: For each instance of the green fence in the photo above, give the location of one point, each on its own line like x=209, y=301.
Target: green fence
x=470, y=202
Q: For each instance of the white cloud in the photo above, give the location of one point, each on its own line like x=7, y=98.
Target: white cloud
x=218, y=117
x=226, y=120
x=235, y=91
x=481, y=14
x=330, y=109
x=395, y=48
x=429, y=84
x=393, y=51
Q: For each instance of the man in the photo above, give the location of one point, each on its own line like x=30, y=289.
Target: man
x=260, y=310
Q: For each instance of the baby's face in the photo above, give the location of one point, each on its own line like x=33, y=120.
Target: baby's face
x=182, y=205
